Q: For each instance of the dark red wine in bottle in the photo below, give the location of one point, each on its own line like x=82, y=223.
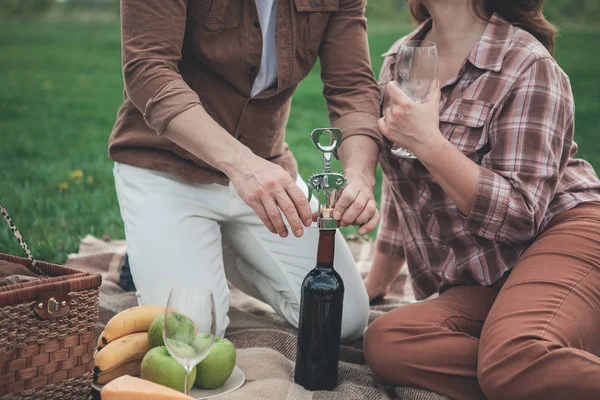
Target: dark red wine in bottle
x=320, y=322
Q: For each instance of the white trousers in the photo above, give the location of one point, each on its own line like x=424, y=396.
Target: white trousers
x=180, y=234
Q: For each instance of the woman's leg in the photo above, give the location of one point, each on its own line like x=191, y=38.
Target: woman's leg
x=432, y=344
x=542, y=335
x=173, y=235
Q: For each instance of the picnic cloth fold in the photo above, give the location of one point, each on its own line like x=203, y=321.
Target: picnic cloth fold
x=13, y=273
x=266, y=343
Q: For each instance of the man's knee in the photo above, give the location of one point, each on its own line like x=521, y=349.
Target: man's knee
x=355, y=320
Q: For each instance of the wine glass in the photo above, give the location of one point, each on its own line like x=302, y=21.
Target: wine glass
x=416, y=73
x=190, y=327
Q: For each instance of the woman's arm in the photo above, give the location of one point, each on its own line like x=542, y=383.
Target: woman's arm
x=506, y=198
x=389, y=256
x=152, y=34
x=384, y=270
x=420, y=131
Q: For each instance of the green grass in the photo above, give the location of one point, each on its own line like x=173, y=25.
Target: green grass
x=60, y=87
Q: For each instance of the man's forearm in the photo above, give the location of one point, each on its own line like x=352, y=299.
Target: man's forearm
x=198, y=133
x=359, y=154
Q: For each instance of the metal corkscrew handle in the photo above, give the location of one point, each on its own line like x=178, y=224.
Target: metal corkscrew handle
x=327, y=184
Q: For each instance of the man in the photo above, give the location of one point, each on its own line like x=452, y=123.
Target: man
x=202, y=170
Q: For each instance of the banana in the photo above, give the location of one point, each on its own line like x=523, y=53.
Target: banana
x=129, y=368
x=136, y=319
x=121, y=351
x=100, y=345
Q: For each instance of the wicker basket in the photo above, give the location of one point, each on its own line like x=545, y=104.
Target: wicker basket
x=47, y=331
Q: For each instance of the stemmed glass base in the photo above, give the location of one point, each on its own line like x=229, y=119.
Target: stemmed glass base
x=186, y=387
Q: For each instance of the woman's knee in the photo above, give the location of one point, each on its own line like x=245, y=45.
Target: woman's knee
x=390, y=350
x=505, y=368
x=376, y=348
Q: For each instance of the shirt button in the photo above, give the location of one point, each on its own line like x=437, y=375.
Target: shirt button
x=461, y=117
x=427, y=216
x=256, y=25
x=315, y=4
x=252, y=69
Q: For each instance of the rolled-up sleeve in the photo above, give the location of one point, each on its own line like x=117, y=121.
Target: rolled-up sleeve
x=350, y=88
x=389, y=237
x=152, y=37
x=530, y=138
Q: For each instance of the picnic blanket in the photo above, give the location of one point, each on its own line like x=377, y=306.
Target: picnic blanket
x=265, y=342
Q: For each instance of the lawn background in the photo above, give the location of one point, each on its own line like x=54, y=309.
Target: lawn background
x=60, y=87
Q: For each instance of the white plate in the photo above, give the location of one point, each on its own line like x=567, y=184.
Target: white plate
x=235, y=381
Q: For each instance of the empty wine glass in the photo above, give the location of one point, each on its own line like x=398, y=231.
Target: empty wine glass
x=190, y=327
x=416, y=73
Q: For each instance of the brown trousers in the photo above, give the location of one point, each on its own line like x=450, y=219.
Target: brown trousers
x=537, y=336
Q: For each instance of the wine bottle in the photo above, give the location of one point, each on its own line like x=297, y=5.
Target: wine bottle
x=322, y=291
x=320, y=321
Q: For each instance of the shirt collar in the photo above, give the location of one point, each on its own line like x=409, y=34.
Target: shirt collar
x=488, y=53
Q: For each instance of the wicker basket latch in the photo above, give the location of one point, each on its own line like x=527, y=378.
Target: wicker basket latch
x=52, y=305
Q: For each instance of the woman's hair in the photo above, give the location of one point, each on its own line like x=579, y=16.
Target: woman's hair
x=526, y=14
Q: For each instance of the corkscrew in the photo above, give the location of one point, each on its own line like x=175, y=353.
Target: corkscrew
x=327, y=185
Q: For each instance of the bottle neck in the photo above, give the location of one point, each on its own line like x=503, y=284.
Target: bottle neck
x=326, y=248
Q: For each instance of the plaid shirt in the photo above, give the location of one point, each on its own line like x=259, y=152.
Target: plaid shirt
x=510, y=110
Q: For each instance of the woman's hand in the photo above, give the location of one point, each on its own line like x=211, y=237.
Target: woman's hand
x=411, y=125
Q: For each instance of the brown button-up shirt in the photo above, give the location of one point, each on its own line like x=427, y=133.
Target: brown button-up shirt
x=179, y=54
x=510, y=110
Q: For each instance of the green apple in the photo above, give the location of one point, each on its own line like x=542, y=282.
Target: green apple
x=179, y=327
x=180, y=349
x=155, y=332
x=202, y=342
x=159, y=367
x=218, y=366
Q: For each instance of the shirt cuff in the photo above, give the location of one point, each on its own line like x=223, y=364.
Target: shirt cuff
x=490, y=205
x=359, y=124
x=171, y=100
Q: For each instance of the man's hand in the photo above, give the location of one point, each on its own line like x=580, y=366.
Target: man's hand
x=357, y=205
x=269, y=190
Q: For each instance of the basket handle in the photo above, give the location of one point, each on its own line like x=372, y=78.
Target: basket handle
x=33, y=267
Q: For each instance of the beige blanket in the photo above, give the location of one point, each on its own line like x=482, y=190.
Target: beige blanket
x=266, y=343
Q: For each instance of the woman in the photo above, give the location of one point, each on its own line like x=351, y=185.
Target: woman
x=496, y=215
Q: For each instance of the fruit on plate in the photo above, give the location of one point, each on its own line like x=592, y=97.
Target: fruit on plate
x=132, y=320
x=121, y=351
x=180, y=327
x=130, y=388
x=155, y=332
x=180, y=349
x=159, y=367
x=100, y=345
x=131, y=368
x=202, y=342
x=218, y=366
